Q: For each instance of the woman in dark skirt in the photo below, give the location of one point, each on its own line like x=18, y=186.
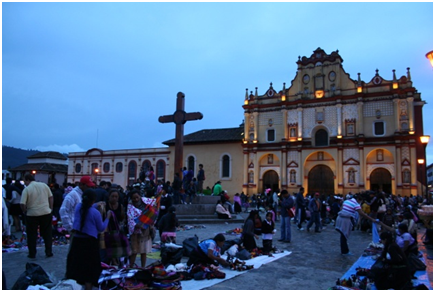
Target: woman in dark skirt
x=83, y=261
x=248, y=235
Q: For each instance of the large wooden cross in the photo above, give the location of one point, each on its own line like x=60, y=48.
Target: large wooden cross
x=180, y=117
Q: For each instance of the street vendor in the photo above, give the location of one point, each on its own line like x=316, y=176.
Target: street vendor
x=208, y=252
x=345, y=220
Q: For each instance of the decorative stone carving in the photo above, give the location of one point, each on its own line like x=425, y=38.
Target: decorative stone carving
x=385, y=107
x=265, y=118
x=390, y=167
x=350, y=111
x=349, y=153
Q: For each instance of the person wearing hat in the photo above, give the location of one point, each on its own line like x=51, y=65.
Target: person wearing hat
x=71, y=200
x=314, y=206
x=37, y=204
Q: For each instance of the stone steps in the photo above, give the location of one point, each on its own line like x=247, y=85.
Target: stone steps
x=208, y=219
x=202, y=211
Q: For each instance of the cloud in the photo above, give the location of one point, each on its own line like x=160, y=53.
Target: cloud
x=61, y=148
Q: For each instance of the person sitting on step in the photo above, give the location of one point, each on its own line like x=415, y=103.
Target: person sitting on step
x=221, y=211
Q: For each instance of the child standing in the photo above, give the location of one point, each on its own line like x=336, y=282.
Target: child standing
x=267, y=230
x=388, y=218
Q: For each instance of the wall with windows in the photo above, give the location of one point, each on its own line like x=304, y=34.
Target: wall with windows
x=121, y=167
x=222, y=162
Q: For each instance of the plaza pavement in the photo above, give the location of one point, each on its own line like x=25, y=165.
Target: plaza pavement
x=314, y=264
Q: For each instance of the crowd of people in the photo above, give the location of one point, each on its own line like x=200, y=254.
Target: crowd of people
x=87, y=211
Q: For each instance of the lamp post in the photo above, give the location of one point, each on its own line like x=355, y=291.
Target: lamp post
x=421, y=162
x=424, y=140
x=96, y=170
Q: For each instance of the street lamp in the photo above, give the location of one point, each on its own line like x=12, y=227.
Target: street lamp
x=430, y=57
x=96, y=170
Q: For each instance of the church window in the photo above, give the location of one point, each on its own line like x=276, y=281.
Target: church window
x=119, y=167
x=106, y=167
x=379, y=128
x=132, y=172
x=160, y=168
x=78, y=167
x=406, y=176
x=146, y=165
x=225, y=166
x=270, y=135
x=321, y=138
x=191, y=163
x=332, y=76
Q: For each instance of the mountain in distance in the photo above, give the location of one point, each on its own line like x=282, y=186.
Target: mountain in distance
x=13, y=157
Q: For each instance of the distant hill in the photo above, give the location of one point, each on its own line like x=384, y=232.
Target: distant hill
x=13, y=157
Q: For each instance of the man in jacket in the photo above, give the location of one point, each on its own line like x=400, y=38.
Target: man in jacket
x=286, y=203
x=300, y=208
x=315, y=206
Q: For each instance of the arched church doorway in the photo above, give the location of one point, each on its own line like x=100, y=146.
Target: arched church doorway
x=271, y=180
x=380, y=179
x=321, y=179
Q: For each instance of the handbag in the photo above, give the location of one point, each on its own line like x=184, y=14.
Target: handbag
x=382, y=207
x=291, y=212
x=116, y=242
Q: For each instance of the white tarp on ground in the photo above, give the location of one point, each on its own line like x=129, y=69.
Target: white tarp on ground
x=257, y=262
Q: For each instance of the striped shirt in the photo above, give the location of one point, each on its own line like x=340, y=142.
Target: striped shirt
x=351, y=206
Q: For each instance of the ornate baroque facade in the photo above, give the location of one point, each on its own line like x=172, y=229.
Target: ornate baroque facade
x=330, y=133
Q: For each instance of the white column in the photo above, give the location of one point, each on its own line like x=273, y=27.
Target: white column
x=411, y=113
x=360, y=120
x=398, y=161
x=300, y=122
x=363, y=169
x=245, y=168
x=339, y=121
x=396, y=114
x=256, y=126
x=285, y=123
x=284, y=180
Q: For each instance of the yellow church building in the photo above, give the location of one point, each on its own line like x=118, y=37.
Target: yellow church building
x=326, y=132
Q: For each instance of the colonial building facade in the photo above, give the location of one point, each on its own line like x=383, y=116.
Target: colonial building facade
x=48, y=167
x=332, y=134
x=326, y=132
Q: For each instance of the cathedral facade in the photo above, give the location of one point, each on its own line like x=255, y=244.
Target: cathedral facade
x=332, y=134
x=326, y=132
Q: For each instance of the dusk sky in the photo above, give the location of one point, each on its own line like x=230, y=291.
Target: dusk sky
x=82, y=75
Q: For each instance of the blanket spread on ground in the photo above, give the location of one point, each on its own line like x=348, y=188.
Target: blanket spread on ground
x=257, y=262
